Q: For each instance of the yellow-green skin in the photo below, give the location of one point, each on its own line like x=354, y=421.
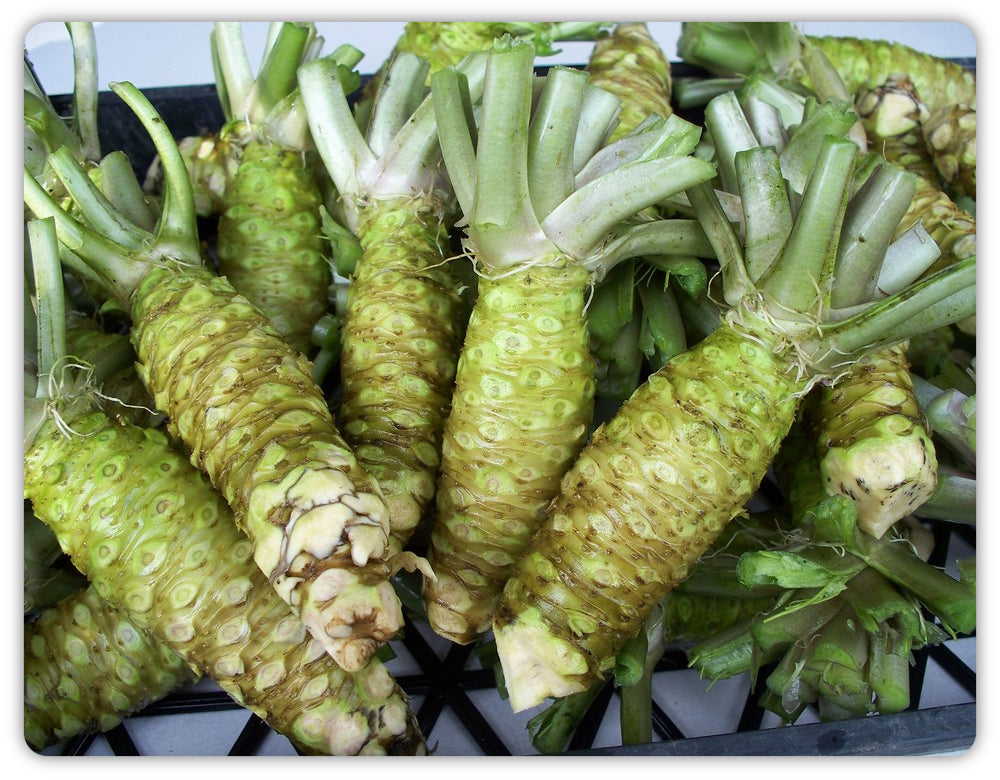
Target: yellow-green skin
x=873, y=446
x=869, y=63
x=950, y=133
x=87, y=666
x=649, y=494
x=444, y=44
x=270, y=243
x=157, y=541
x=401, y=335
x=628, y=63
x=892, y=115
x=211, y=164
x=523, y=402
x=244, y=403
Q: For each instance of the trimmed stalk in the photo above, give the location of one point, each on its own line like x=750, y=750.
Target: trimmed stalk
x=244, y=404
x=525, y=383
x=657, y=484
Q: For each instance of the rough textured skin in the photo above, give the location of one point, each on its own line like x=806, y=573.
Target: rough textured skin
x=401, y=335
x=155, y=539
x=245, y=405
x=630, y=64
x=444, y=44
x=952, y=228
x=87, y=666
x=522, y=406
x=211, y=165
x=270, y=244
x=950, y=133
x=648, y=495
x=873, y=446
x=892, y=115
x=869, y=63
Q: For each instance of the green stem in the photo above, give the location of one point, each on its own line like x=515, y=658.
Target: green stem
x=456, y=126
x=889, y=669
x=724, y=240
x=277, y=75
x=123, y=191
x=725, y=654
x=85, y=88
x=598, y=116
x=767, y=211
x=233, y=74
x=668, y=237
x=731, y=133
x=940, y=299
x=397, y=100
x=807, y=142
x=502, y=223
x=954, y=499
x=49, y=300
x=552, y=136
x=870, y=221
x=946, y=597
x=723, y=48
x=876, y=602
x=662, y=335
x=580, y=221
x=337, y=137
x=797, y=280
x=906, y=260
x=551, y=729
x=694, y=92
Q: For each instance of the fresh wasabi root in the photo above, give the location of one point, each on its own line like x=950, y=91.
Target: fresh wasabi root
x=405, y=310
x=658, y=483
x=873, y=445
x=628, y=63
x=950, y=134
x=270, y=246
x=156, y=540
x=269, y=243
x=630, y=521
x=540, y=236
x=525, y=379
x=243, y=402
x=87, y=666
x=401, y=336
x=257, y=424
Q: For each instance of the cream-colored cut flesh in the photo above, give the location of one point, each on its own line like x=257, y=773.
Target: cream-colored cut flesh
x=536, y=664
